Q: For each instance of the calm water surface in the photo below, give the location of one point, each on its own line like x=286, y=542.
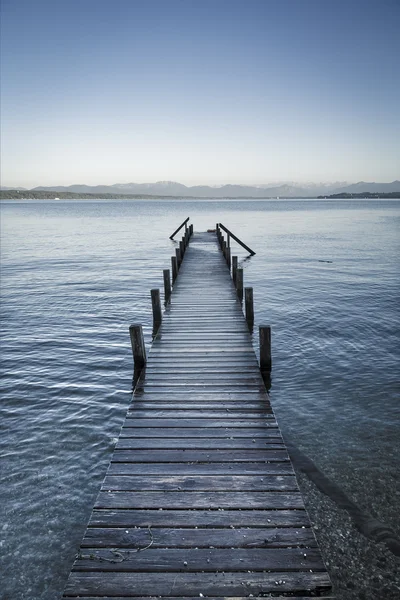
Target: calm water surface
x=76, y=274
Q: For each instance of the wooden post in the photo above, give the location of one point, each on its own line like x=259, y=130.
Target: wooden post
x=178, y=256
x=228, y=240
x=191, y=229
x=174, y=264
x=234, y=268
x=167, y=285
x=265, y=350
x=228, y=256
x=156, y=305
x=138, y=351
x=184, y=242
x=239, y=284
x=224, y=248
x=249, y=305
x=138, y=347
x=182, y=249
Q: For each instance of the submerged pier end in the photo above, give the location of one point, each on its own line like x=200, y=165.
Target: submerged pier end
x=200, y=498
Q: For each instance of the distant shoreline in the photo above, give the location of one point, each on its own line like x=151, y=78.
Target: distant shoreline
x=29, y=195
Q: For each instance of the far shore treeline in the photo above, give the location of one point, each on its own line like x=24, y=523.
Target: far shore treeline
x=41, y=195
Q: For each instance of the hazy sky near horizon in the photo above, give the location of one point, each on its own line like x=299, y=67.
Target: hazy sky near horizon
x=199, y=91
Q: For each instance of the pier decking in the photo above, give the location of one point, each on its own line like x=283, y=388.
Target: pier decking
x=200, y=498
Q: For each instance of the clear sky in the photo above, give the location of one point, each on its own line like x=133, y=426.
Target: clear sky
x=199, y=91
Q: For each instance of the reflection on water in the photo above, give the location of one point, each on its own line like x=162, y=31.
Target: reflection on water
x=75, y=275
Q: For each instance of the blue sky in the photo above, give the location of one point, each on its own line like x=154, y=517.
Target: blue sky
x=199, y=91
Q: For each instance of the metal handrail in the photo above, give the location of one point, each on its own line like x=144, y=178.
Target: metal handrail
x=232, y=235
x=171, y=237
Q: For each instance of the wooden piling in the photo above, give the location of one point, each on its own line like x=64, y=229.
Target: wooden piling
x=228, y=256
x=234, y=268
x=174, y=264
x=249, y=305
x=156, y=305
x=138, y=351
x=182, y=249
x=138, y=347
x=178, y=256
x=167, y=285
x=239, y=284
x=265, y=349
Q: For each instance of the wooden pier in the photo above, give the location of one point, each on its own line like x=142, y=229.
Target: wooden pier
x=200, y=498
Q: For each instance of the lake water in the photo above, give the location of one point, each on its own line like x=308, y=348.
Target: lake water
x=75, y=274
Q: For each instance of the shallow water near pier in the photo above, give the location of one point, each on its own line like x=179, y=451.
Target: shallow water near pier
x=75, y=274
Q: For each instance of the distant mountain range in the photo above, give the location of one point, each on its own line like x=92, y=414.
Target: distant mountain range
x=172, y=188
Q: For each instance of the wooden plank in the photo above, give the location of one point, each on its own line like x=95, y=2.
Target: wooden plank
x=200, y=444
x=198, y=468
x=178, y=455
x=200, y=483
x=208, y=500
x=186, y=584
x=129, y=430
x=120, y=559
x=197, y=423
x=204, y=405
x=208, y=519
x=195, y=414
x=227, y=537
x=195, y=597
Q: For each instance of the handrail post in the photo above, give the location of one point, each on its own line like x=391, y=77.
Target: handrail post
x=156, y=305
x=167, y=285
x=249, y=306
x=265, y=350
x=234, y=268
x=178, y=257
x=174, y=264
x=228, y=256
x=138, y=346
x=239, y=284
x=138, y=350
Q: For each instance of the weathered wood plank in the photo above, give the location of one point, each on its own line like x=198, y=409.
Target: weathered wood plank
x=209, y=456
x=186, y=584
x=167, y=404
x=198, y=468
x=190, y=560
x=201, y=444
x=129, y=430
x=207, y=519
x=196, y=414
x=200, y=483
x=190, y=500
x=227, y=537
x=198, y=422
x=194, y=597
